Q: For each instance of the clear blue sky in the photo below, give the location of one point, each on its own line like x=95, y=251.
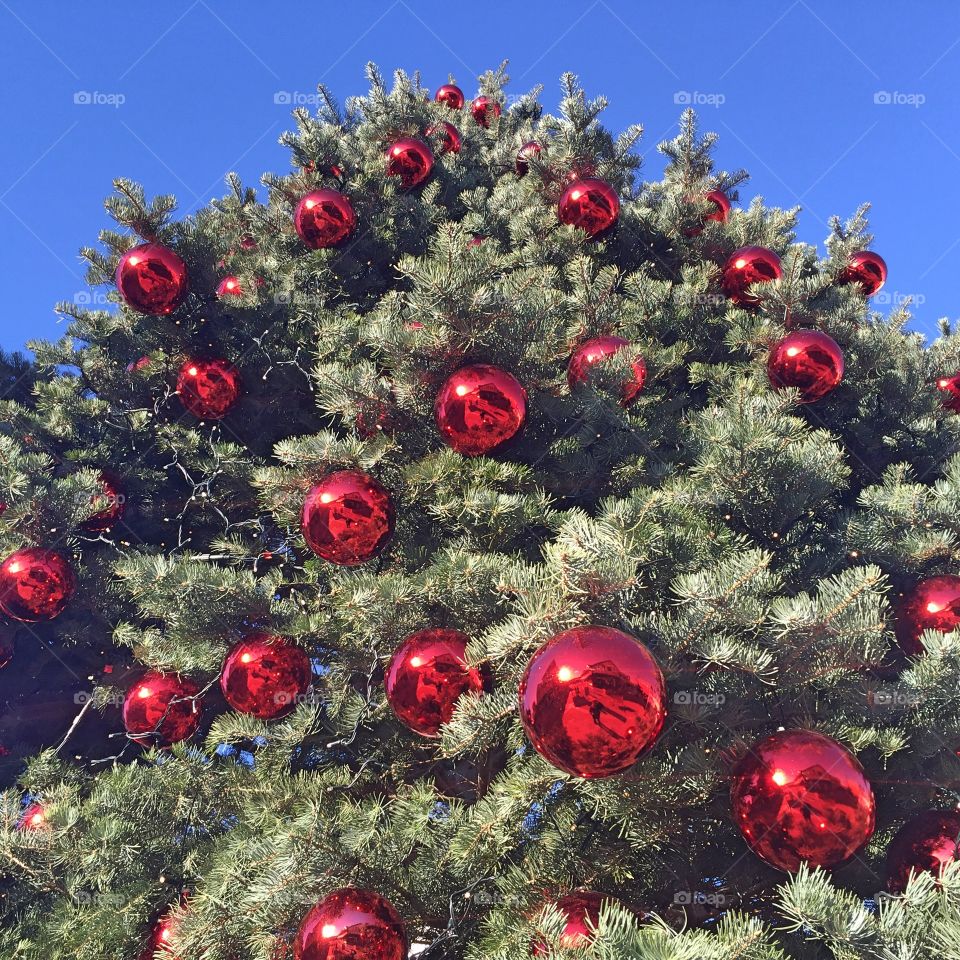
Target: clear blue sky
x=792, y=88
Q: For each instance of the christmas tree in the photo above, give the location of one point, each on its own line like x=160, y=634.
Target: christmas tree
x=473, y=551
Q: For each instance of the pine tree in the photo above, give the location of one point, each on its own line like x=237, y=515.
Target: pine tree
x=760, y=548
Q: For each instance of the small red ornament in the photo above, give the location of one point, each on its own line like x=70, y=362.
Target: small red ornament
x=351, y=924
x=208, y=388
x=229, y=287
x=347, y=518
x=746, y=266
x=451, y=96
x=163, y=708
x=324, y=218
x=924, y=844
x=951, y=388
x=529, y=151
x=590, y=204
x=722, y=204
x=483, y=110
x=426, y=676
x=247, y=242
x=449, y=134
x=35, y=584
x=265, y=676
x=582, y=910
x=161, y=933
x=6, y=645
x=808, y=360
x=152, y=279
x=592, y=700
x=134, y=365
x=116, y=505
x=476, y=240
x=933, y=604
x=595, y=351
x=867, y=269
x=480, y=407
x=411, y=160
x=34, y=817
x=800, y=797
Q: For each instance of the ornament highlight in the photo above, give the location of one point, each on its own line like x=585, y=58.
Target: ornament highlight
x=450, y=95
x=808, y=360
x=747, y=266
x=351, y=924
x=34, y=817
x=161, y=709
x=324, y=218
x=410, y=160
x=590, y=204
x=866, y=269
x=933, y=604
x=152, y=279
x=924, y=844
x=35, y=584
x=265, y=676
x=588, y=355
x=208, y=388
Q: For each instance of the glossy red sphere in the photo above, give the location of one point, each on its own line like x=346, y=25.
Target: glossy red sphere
x=808, y=360
x=747, y=266
x=229, y=287
x=800, y=797
x=265, y=676
x=6, y=645
x=866, y=269
x=208, y=388
x=721, y=204
x=163, y=708
x=479, y=407
x=351, y=924
x=134, y=365
x=347, y=518
x=594, y=352
x=933, y=604
x=484, y=110
x=451, y=96
x=116, y=505
x=449, y=137
x=35, y=584
x=951, y=392
x=410, y=160
x=152, y=279
x=324, y=218
x=34, y=817
x=161, y=933
x=924, y=844
x=592, y=700
x=426, y=676
x=530, y=150
x=582, y=910
x=590, y=204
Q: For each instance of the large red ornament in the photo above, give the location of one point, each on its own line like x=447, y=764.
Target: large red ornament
x=866, y=269
x=426, y=676
x=582, y=910
x=808, y=360
x=924, y=844
x=595, y=351
x=592, y=700
x=951, y=389
x=208, y=388
x=483, y=110
x=163, y=708
x=590, y=204
x=411, y=160
x=451, y=96
x=351, y=924
x=933, y=604
x=800, y=797
x=449, y=137
x=324, y=218
x=152, y=279
x=116, y=505
x=479, y=407
x=747, y=266
x=35, y=584
x=265, y=676
x=347, y=518
x=529, y=151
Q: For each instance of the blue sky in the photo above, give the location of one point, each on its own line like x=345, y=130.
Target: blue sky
x=826, y=104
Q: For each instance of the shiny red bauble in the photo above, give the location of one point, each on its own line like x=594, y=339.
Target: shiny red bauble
x=800, y=797
x=592, y=700
x=595, y=351
x=34, y=817
x=265, y=676
x=449, y=137
x=747, y=266
x=161, y=934
x=933, y=604
x=35, y=584
x=208, y=388
x=426, y=676
x=152, y=279
x=582, y=911
x=721, y=204
x=808, y=360
x=410, y=160
x=229, y=287
x=529, y=151
x=347, y=518
x=116, y=505
x=951, y=392
x=163, y=708
x=924, y=844
x=480, y=407
x=450, y=95
x=590, y=204
x=866, y=269
x=351, y=924
x=324, y=218
x=484, y=110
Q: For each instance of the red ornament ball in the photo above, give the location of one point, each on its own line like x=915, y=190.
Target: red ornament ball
x=347, y=518
x=800, y=797
x=582, y=912
x=924, y=844
x=208, y=388
x=529, y=151
x=866, y=269
x=6, y=646
x=34, y=817
x=951, y=389
x=265, y=676
x=161, y=933
x=594, y=352
x=449, y=137
x=411, y=160
x=721, y=203
x=450, y=95
x=116, y=505
x=35, y=584
x=747, y=266
x=808, y=360
x=426, y=676
x=590, y=204
x=163, y=708
x=933, y=604
x=351, y=924
x=324, y=218
x=484, y=110
x=592, y=701
x=229, y=287
x=480, y=407
x=152, y=279
x=135, y=365
x=247, y=242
